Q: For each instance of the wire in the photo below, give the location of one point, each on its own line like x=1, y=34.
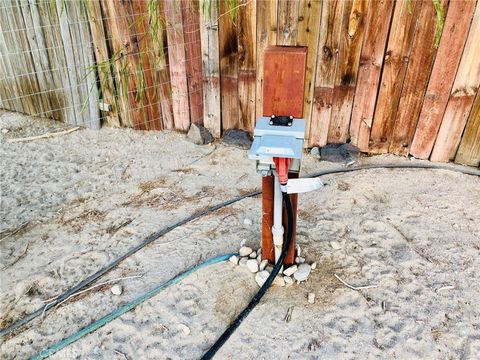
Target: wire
x=256, y=299
x=160, y=233
x=125, y=308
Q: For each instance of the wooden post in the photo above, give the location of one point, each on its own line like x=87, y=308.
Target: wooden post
x=283, y=94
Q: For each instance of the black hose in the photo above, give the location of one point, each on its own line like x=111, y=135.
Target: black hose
x=256, y=299
x=90, y=279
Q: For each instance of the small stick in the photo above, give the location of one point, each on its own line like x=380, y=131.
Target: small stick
x=355, y=287
x=288, y=315
x=83, y=291
x=97, y=285
x=43, y=136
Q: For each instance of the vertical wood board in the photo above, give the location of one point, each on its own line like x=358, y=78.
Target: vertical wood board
x=211, y=69
x=327, y=56
x=450, y=49
x=394, y=69
x=467, y=82
x=346, y=74
x=370, y=67
x=416, y=79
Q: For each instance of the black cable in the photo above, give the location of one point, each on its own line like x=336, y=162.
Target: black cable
x=256, y=299
x=90, y=279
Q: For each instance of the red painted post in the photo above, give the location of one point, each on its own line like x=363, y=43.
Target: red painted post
x=283, y=92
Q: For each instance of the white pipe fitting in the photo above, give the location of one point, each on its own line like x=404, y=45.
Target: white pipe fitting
x=277, y=228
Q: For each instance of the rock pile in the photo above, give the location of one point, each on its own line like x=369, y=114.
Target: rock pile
x=252, y=259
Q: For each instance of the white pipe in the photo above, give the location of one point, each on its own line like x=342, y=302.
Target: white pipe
x=277, y=228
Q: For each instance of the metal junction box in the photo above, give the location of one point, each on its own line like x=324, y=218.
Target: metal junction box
x=277, y=141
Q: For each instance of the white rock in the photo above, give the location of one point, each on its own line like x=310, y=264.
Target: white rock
x=247, y=222
x=234, y=259
x=290, y=271
x=253, y=255
x=261, y=277
x=278, y=281
x=263, y=265
x=245, y=251
x=311, y=298
x=302, y=273
x=116, y=289
x=242, y=243
x=288, y=280
x=185, y=329
x=259, y=258
x=252, y=265
x=299, y=250
x=314, y=265
x=4, y=131
x=269, y=268
x=299, y=260
x=243, y=261
x=335, y=245
x=259, y=252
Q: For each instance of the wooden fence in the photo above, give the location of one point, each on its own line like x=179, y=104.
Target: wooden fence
x=374, y=75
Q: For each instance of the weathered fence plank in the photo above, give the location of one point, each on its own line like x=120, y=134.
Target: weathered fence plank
x=287, y=22
x=9, y=90
x=178, y=65
x=104, y=68
x=371, y=62
x=211, y=69
x=469, y=151
x=146, y=66
x=346, y=74
x=160, y=47
x=61, y=95
x=193, y=52
x=450, y=49
x=247, y=57
x=330, y=28
x=416, y=80
x=37, y=47
x=461, y=98
x=266, y=35
x=394, y=69
x=228, y=46
x=125, y=61
x=310, y=12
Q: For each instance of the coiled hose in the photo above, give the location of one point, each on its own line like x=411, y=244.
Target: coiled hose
x=256, y=299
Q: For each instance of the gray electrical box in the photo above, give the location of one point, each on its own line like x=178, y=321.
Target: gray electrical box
x=277, y=141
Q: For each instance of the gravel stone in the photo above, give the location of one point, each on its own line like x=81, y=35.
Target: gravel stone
x=116, y=289
x=263, y=264
x=245, y=251
x=252, y=265
x=261, y=277
x=234, y=259
x=311, y=298
x=303, y=272
x=290, y=271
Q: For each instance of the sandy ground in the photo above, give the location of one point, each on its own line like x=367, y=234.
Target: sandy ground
x=73, y=203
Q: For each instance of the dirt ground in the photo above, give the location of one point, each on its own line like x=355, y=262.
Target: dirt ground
x=73, y=203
